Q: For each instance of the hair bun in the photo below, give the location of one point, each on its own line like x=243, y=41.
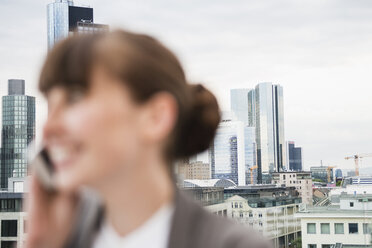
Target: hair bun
x=201, y=123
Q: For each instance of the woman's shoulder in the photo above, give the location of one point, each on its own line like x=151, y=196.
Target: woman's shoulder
x=193, y=226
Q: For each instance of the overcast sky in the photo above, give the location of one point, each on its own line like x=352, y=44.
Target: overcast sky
x=320, y=51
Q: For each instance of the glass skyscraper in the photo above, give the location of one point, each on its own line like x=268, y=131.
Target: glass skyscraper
x=265, y=112
x=338, y=173
x=226, y=154
x=57, y=21
x=18, y=130
x=64, y=18
x=250, y=151
x=294, y=157
x=239, y=106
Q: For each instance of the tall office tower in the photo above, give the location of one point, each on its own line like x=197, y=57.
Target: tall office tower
x=265, y=107
x=18, y=130
x=338, y=173
x=250, y=151
x=294, y=157
x=226, y=154
x=251, y=108
x=239, y=104
x=64, y=18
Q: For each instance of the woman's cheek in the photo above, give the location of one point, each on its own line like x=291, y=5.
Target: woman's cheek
x=80, y=120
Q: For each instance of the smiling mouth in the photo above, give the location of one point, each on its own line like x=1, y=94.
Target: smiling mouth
x=61, y=156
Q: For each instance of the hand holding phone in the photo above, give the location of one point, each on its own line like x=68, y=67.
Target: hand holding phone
x=50, y=212
x=42, y=166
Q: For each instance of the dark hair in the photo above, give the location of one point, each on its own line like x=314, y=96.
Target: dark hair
x=146, y=67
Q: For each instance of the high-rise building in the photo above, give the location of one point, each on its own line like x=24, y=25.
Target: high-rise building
x=252, y=108
x=64, y=18
x=18, y=130
x=89, y=27
x=226, y=154
x=239, y=104
x=250, y=155
x=265, y=112
x=338, y=173
x=294, y=157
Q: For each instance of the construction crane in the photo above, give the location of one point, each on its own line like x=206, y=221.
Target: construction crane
x=356, y=160
x=251, y=169
x=329, y=169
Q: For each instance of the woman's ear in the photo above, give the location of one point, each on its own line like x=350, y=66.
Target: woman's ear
x=159, y=117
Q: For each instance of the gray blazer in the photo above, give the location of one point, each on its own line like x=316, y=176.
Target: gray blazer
x=192, y=227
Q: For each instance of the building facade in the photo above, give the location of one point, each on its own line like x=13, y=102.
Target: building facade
x=18, y=184
x=321, y=173
x=266, y=113
x=205, y=195
x=89, y=27
x=301, y=180
x=18, y=130
x=13, y=221
x=345, y=223
x=211, y=183
x=239, y=104
x=294, y=157
x=194, y=170
x=250, y=150
x=276, y=223
x=226, y=154
x=63, y=18
x=267, y=208
x=338, y=173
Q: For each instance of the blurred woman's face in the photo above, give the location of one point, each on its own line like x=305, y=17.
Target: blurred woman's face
x=93, y=137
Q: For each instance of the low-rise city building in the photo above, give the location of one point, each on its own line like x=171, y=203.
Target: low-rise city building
x=347, y=222
x=206, y=195
x=301, y=180
x=321, y=173
x=193, y=170
x=277, y=223
x=264, y=195
x=18, y=184
x=224, y=183
x=357, y=180
x=349, y=190
x=13, y=228
x=267, y=208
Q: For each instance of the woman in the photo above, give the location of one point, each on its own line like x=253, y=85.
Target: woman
x=120, y=114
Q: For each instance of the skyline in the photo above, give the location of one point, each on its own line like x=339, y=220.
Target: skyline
x=318, y=51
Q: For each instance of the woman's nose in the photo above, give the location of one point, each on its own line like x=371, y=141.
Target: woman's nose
x=54, y=124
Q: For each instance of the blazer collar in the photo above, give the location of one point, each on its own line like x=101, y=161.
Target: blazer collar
x=183, y=219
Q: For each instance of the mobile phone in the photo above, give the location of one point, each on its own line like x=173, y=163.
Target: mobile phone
x=43, y=169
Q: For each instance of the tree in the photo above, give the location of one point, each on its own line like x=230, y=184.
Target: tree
x=296, y=243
